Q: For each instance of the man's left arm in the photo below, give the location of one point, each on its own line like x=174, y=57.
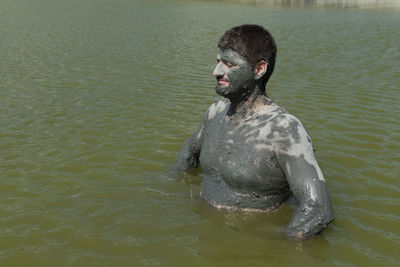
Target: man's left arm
x=298, y=162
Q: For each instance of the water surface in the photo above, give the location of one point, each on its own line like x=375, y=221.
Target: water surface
x=97, y=98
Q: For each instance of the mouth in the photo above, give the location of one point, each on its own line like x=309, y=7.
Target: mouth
x=223, y=82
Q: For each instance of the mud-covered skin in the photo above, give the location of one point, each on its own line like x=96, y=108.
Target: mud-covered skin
x=253, y=153
x=238, y=74
x=232, y=157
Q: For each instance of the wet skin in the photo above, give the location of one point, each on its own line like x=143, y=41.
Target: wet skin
x=254, y=153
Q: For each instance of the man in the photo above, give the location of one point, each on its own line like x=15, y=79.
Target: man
x=252, y=151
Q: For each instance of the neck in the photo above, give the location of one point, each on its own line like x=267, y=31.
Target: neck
x=244, y=103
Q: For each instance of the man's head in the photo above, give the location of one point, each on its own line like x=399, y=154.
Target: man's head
x=254, y=43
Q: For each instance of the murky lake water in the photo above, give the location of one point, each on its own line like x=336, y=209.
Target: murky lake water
x=97, y=98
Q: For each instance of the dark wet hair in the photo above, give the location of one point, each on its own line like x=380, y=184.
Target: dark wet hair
x=254, y=43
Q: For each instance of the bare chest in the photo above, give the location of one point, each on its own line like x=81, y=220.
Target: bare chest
x=236, y=153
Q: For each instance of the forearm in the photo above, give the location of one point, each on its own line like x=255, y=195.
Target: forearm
x=310, y=218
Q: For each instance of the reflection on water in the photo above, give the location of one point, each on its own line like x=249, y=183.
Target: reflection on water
x=369, y=4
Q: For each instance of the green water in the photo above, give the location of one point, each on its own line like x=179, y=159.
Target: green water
x=98, y=96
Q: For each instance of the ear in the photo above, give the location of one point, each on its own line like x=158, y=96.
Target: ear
x=260, y=69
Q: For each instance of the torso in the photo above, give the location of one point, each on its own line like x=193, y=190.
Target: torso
x=238, y=159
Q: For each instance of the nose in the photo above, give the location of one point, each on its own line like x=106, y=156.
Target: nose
x=218, y=71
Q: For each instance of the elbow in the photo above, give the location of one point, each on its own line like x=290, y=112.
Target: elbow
x=324, y=211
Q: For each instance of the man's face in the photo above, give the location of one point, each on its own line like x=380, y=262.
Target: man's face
x=234, y=74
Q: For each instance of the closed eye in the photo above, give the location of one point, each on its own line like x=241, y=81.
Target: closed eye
x=229, y=64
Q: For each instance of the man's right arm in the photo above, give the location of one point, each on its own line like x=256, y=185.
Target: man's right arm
x=189, y=156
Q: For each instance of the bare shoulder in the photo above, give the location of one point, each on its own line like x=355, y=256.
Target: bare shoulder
x=218, y=107
x=281, y=128
x=287, y=124
x=292, y=140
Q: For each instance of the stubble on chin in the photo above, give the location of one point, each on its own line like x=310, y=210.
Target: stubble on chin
x=222, y=90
